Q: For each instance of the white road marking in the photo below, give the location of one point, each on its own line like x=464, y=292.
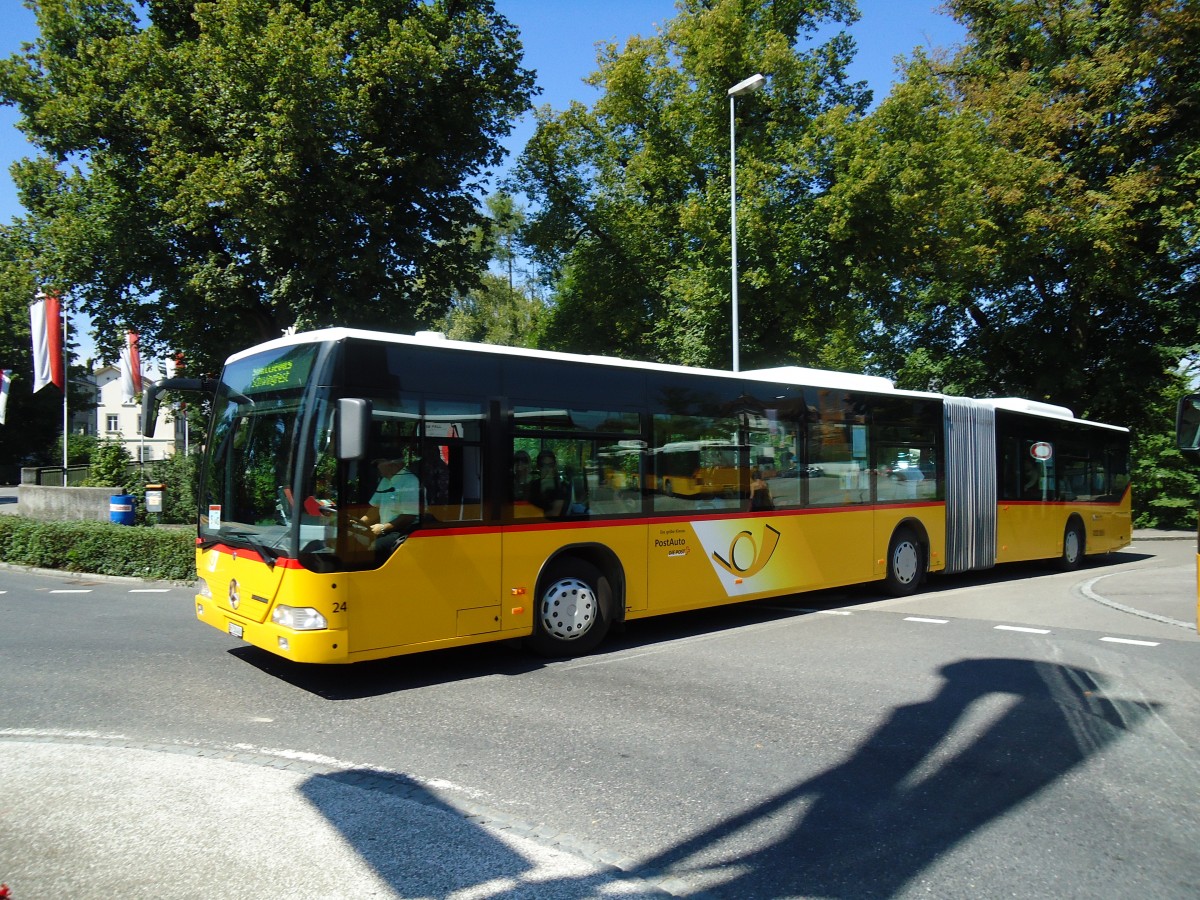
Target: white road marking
x=83, y=591
x=150, y=590
x=1019, y=628
x=1113, y=640
x=929, y=621
x=61, y=733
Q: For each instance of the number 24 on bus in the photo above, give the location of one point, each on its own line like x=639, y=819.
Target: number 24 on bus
x=365, y=495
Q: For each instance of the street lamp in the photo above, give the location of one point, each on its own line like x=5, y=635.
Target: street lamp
x=751, y=84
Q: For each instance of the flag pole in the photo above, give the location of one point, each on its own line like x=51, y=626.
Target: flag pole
x=66, y=383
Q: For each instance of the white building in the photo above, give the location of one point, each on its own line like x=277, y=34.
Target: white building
x=121, y=419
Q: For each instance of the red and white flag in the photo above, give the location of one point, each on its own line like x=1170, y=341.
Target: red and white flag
x=5, y=381
x=131, y=367
x=45, y=327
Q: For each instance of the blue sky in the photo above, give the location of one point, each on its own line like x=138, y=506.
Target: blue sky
x=560, y=38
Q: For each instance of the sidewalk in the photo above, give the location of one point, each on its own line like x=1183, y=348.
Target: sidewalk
x=1153, y=534
x=103, y=816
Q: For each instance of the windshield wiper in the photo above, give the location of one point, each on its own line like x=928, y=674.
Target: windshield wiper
x=267, y=552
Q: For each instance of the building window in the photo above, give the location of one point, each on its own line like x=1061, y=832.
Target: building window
x=113, y=422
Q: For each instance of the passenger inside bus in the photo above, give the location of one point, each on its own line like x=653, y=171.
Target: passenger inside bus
x=1032, y=482
x=547, y=491
x=520, y=479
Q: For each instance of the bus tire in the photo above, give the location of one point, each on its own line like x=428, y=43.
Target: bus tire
x=905, y=563
x=1074, y=544
x=574, y=600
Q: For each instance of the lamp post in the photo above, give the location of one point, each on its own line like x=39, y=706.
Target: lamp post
x=751, y=84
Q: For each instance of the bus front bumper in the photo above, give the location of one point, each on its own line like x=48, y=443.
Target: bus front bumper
x=323, y=646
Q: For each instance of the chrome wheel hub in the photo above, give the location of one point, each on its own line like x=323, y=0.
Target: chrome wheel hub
x=568, y=609
x=905, y=562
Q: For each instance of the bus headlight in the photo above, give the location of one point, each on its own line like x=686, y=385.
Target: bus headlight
x=202, y=588
x=299, y=618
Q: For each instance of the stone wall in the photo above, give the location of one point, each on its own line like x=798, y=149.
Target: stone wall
x=46, y=503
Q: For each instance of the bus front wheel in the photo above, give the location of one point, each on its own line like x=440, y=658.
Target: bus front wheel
x=905, y=563
x=572, y=616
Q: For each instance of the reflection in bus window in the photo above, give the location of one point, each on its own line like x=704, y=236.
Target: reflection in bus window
x=697, y=469
x=906, y=473
x=620, y=474
x=776, y=454
x=838, y=464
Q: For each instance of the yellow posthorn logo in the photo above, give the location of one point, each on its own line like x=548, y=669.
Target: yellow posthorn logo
x=755, y=559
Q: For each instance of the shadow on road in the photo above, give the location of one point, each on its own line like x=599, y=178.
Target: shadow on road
x=419, y=851
x=868, y=826
x=400, y=673
x=927, y=778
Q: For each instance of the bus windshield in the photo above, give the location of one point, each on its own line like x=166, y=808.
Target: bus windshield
x=251, y=459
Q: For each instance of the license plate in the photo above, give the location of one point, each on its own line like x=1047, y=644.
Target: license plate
x=235, y=629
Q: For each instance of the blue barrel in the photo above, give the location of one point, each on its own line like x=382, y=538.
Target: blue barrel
x=120, y=509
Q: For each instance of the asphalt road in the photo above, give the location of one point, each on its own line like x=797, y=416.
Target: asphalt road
x=1013, y=733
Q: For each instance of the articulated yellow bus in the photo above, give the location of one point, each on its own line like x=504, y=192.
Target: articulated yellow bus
x=366, y=495
x=1187, y=438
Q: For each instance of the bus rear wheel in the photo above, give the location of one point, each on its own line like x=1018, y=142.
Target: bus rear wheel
x=1073, y=546
x=905, y=563
x=572, y=615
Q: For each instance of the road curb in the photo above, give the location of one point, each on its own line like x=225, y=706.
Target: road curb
x=1086, y=590
x=1147, y=535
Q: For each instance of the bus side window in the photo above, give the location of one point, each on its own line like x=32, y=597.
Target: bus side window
x=558, y=486
x=837, y=469
x=452, y=460
x=1009, y=474
x=906, y=473
x=1038, y=475
x=774, y=446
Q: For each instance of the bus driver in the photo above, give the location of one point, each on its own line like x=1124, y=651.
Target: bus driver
x=395, y=504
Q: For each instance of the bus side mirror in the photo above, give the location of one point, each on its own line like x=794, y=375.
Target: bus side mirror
x=149, y=410
x=151, y=393
x=1187, y=425
x=353, y=428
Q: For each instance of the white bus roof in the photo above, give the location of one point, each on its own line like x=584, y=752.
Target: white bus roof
x=797, y=375
x=792, y=375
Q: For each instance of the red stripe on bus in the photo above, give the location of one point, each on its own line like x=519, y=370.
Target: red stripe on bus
x=669, y=520
x=285, y=562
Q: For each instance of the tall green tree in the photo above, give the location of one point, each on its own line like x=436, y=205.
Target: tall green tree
x=504, y=307
x=213, y=172
x=1023, y=217
x=631, y=195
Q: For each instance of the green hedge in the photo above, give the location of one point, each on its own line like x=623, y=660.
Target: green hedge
x=99, y=548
